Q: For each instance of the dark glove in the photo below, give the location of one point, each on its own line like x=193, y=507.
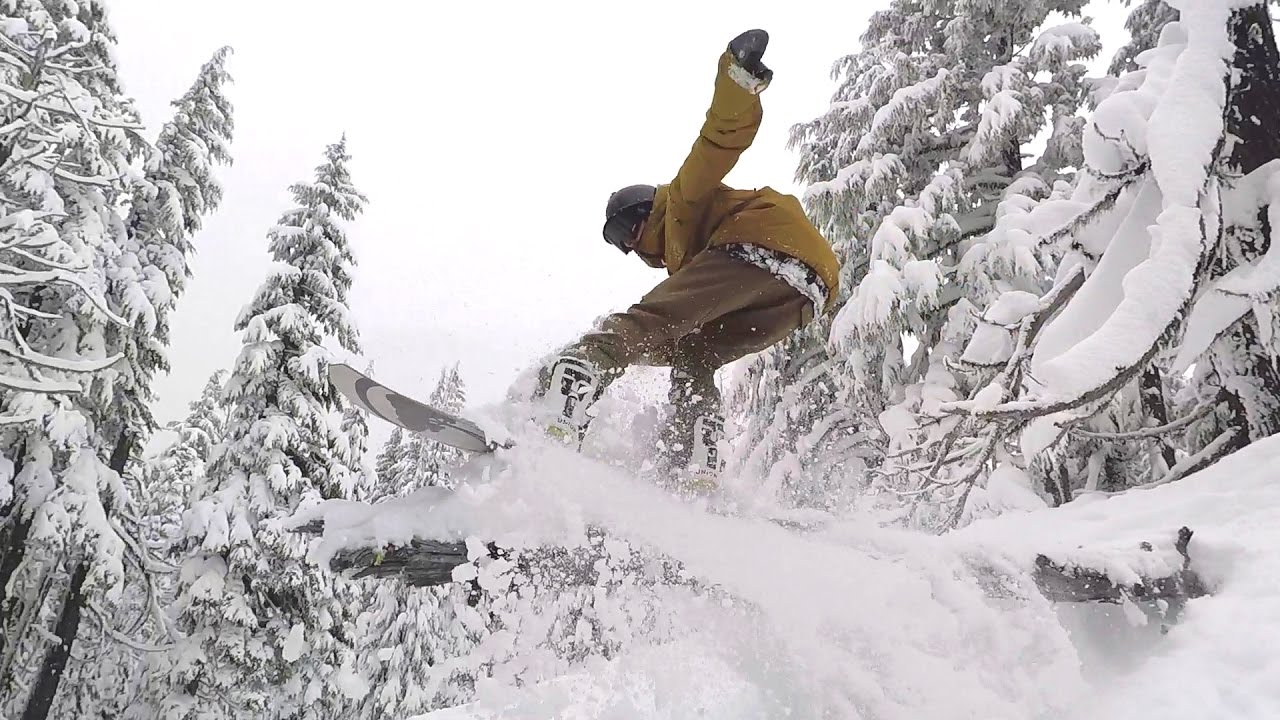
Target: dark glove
x=747, y=49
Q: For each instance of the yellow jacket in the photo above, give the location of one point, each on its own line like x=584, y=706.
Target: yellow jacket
x=697, y=210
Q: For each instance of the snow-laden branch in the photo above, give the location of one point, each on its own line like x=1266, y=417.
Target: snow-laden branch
x=45, y=262
x=60, y=276
x=38, y=386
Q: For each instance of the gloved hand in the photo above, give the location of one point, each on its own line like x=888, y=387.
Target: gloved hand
x=747, y=50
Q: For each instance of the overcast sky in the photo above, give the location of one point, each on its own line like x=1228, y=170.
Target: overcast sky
x=487, y=136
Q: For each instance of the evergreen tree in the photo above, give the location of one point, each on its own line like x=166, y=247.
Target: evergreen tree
x=68, y=142
x=1166, y=264
x=145, y=276
x=1144, y=25
x=388, y=463
x=170, y=477
x=264, y=631
x=434, y=460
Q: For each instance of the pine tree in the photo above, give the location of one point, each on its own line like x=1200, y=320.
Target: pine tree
x=149, y=275
x=408, y=461
x=68, y=142
x=434, y=460
x=264, y=631
x=922, y=148
x=170, y=477
x=1166, y=263
x=390, y=459
x=145, y=276
x=1144, y=25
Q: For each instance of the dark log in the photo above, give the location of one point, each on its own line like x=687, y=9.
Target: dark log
x=1061, y=583
x=420, y=563
x=425, y=563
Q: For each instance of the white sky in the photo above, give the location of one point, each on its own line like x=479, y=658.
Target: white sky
x=487, y=135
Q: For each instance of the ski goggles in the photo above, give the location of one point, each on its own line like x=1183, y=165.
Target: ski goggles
x=620, y=230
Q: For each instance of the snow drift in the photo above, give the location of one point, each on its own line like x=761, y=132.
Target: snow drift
x=853, y=619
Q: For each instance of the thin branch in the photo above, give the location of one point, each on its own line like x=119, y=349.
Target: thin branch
x=44, y=262
x=1150, y=432
x=119, y=637
x=55, y=276
x=1209, y=454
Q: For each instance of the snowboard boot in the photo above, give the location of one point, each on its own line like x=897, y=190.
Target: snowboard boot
x=570, y=386
x=692, y=441
x=701, y=476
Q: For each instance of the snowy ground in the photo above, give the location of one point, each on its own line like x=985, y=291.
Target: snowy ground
x=855, y=621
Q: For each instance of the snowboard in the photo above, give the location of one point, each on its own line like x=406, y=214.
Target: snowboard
x=429, y=422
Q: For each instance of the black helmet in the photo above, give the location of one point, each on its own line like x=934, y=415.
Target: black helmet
x=624, y=212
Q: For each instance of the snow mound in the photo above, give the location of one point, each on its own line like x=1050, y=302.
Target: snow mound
x=1221, y=659
x=853, y=619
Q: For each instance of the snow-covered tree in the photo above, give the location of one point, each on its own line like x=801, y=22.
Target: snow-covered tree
x=149, y=275
x=1144, y=25
x=1168, y=267
x=113, y=414
x=265, y=633
x=69, y=142
x=925, y=142
x=169, y=478
x=390, y=458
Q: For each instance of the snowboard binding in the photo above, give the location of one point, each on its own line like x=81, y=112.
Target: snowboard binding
x=562, y=410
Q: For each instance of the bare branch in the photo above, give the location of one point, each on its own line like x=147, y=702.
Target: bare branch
x=1208, y=455
x=119, y=637
x=1151, y=432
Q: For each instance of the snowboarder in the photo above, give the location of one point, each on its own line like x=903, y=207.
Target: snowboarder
x=745, y=269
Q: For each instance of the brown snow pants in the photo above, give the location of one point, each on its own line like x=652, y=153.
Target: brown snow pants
x=712, y=311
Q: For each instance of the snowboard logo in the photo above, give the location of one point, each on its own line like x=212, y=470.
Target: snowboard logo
x=387, y=404
x=403, y=411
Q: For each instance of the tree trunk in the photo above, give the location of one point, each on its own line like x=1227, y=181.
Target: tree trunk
x=1255, y=98
x=68, y=627
x=1151, y=390
x=13, y=545
x=55, y=660
x=1250, y=379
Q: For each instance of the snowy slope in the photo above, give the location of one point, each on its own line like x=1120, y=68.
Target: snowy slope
x=859, y=621
x=1223, y=659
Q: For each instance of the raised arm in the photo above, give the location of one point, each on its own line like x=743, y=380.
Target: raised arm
x=732, y=121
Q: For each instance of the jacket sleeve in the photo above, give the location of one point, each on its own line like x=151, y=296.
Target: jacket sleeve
x=730, y=127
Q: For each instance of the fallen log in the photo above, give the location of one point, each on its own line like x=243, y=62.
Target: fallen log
x=1062, y=583
x=425, y=562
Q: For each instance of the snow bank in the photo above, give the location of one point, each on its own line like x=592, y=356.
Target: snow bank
x=850, y=622
x=1221, y=660
x=855, y=620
